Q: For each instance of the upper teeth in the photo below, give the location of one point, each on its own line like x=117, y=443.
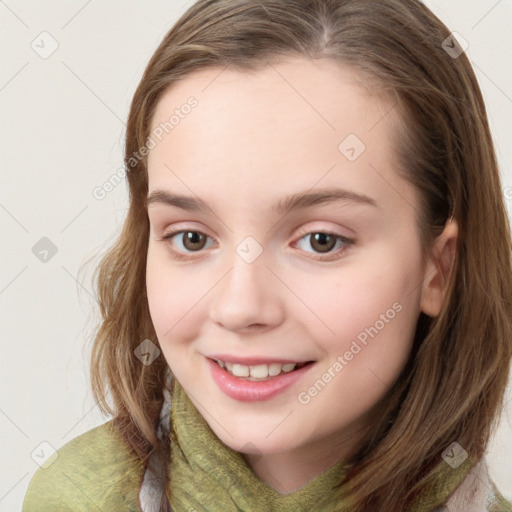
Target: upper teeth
x=258, y=371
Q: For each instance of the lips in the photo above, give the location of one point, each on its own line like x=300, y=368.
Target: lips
x=249, y=388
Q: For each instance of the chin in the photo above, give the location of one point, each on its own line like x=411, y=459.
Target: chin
x=255, y=440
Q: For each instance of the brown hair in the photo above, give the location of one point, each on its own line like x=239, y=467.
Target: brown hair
x=453, y=384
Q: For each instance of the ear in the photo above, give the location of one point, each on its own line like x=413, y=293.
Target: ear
x=438, y=269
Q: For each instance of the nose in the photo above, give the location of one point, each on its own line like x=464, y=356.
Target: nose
x=248, y=297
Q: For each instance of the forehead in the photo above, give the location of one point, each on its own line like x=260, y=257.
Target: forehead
x=298, y=85
x=284, y=125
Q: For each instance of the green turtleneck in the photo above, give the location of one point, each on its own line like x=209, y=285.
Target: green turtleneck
x=208, y=475
x=99, y=471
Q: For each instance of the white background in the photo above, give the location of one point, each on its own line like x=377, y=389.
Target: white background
x=62, y=123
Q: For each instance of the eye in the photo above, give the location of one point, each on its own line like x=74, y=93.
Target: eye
x=191, y=240
x=324, y=242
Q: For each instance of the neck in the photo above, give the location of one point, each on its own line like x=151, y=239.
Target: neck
x=289, y=471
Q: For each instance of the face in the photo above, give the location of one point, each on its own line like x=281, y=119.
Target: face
x=252, y=282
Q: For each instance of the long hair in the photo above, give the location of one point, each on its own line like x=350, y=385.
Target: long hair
x=453, y=385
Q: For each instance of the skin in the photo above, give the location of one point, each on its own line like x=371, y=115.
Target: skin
x=251, y=141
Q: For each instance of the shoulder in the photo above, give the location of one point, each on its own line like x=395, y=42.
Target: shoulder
x=94, y=471
x=497, y=502
x=478, y=492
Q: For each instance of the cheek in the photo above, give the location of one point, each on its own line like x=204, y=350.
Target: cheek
x=174, y=298
x=374, y=329
x=371, y=311
x=344, y=305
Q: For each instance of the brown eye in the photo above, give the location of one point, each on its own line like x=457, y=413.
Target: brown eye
x=193, y=240
x=323, y=242
x=187, y=241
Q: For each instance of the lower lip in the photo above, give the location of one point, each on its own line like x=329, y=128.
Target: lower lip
x=254, y=391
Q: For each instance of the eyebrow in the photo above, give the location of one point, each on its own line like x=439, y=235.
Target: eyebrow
x=297, y=201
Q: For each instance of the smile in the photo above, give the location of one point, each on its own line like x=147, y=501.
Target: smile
x=256, y=382
x=258, y=372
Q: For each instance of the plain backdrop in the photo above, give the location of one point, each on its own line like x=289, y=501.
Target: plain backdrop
x=62, y=123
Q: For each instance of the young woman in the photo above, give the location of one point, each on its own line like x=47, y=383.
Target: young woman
x=309, y=306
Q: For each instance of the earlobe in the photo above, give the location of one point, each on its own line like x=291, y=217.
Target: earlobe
x=439, y=269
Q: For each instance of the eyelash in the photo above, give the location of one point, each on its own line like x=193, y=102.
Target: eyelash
x=332, y=255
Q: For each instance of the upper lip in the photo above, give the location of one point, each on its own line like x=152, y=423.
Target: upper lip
x=252, y=361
